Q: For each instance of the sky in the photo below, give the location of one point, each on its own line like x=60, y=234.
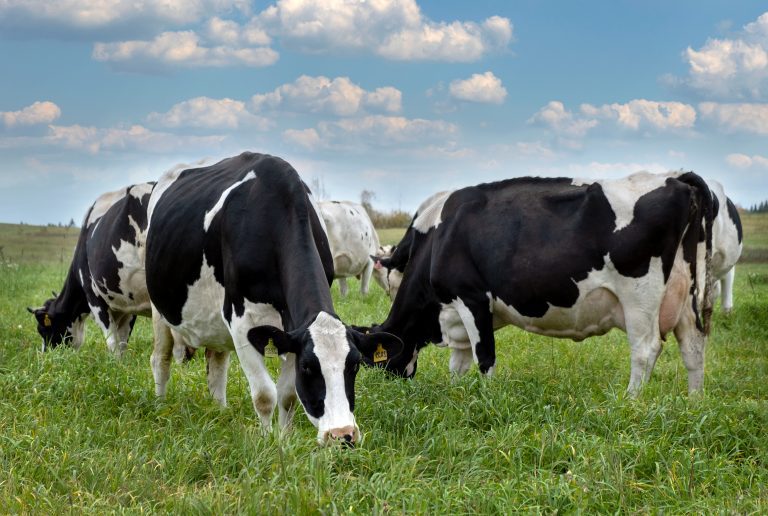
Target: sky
x=403, y=98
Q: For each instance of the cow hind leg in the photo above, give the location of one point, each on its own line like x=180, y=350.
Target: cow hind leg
x=365, y=277
x=161, y=354
x=727, y=290
x=645, y=348
x=343, y=287
x=286, y=392
x=217, y=366
x=692, y=342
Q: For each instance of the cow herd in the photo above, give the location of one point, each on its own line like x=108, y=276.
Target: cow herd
x=238, y=256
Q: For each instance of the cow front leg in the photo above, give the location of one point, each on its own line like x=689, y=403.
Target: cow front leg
x=217, y=366
x=286, y=392
x=645, y=348
x=162, y=352
x=478, y=323
x=726, y=299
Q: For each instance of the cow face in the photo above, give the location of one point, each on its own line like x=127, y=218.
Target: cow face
x=386, y=275
x=52, y=327
x=328, y=356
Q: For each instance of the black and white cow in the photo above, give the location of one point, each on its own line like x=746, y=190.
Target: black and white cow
x=106, y=276
x=726, y=244
x=353, y=240
x=563, y=258
x=236, y=252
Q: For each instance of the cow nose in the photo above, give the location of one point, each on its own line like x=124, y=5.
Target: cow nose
x=345, y=434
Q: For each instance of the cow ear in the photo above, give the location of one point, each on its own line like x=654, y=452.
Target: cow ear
x=378, y=348
x=267, y=339
x=43, y=318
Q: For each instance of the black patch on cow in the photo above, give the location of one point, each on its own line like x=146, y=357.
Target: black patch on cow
x=310, y=384
x=733, y=213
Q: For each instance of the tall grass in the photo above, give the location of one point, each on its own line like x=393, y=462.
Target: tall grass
x=552, y=431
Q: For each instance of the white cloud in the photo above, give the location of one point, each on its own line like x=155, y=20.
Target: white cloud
x=556, y=117
x=183, y=48
x=339, y=96
x=136, y=137
x=600, y=170
x=750, y=118
x=640, y=112
x=209, y=113
x=485, y=88
x=744, y=161
x=356, y=134
x=89, y=14
x=736, y=67
x=43, y=112
x=393, y=29
x=228, y=32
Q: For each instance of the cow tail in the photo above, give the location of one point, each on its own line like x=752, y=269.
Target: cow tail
x=700, y=230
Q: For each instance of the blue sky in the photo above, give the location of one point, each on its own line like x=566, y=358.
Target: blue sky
x=400, y=97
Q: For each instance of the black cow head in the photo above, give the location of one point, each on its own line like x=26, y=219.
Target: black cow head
x=328, y=356
x=403, y=364
x=54, y=328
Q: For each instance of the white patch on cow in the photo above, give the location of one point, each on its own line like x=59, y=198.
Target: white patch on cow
x=140, y=190
x=103, y=203
x=352, y=238
x=622, y=194
x=133, y=297
x=469, y=324
x=430, y=211
x=410, y=368
x=210, y=214
x=77, y=330
x=332, y=348
x=201, y=321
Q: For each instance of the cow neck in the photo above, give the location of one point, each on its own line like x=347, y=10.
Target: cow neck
x=72, y=301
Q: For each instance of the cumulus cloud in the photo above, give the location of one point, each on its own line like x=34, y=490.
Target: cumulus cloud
x=87, y=14
x=136, y=137
x=359, y=133
x=43, y=112
x=640, y=112
x=732, y=67
x=745, y=161
x=749, y=118
x=484, y=88
x=184, y=49
x=339, y=96
x=561, y=120
x=393, y=29
x=204, y=112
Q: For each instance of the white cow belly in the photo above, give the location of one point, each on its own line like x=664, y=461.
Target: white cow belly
x=202, y=323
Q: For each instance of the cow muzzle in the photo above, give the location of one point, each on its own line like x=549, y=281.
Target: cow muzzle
x=347, y=435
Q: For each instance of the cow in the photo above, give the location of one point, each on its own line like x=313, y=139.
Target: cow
x=353, y=240
x=106, y=276
x=237, y=258
x=564, y=258
x=727, y=237
x=389, y=264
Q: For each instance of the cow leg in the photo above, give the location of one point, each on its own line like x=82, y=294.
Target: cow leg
x=118, y=331
x=461, y=360
x=365, y=277
x=161, y=353
x=645, y=347
x=217, y=366
x=478, y=322
x=692, y=342
x=727, y=292
x=286, y=391
x=343, y=288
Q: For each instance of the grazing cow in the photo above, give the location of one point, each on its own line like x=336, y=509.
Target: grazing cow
x=353, y=240
x=106, y=276
x=389, y=264
x=237, y=259
x=563, y=258
x=726, y=244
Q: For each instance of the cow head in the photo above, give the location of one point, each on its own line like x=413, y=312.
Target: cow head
x=328, y=356
x=402, y=364
x=57, y=328
x=384, y=273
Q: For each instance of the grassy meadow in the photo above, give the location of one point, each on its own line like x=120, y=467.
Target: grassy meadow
x=551, y=432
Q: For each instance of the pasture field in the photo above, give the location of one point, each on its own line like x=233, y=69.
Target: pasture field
x=552, y=431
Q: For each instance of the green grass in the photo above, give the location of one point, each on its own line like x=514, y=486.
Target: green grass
x=552, y=431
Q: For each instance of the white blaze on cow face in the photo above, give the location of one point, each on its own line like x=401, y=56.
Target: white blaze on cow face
x=331, y=347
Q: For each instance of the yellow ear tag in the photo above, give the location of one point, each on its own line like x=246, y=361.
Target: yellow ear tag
x=270, y=350
x=46, y=321
x=380, y=355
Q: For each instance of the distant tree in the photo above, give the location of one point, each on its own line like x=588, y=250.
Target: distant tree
x=366, y=199
x=318, y=188
x=71, y=223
